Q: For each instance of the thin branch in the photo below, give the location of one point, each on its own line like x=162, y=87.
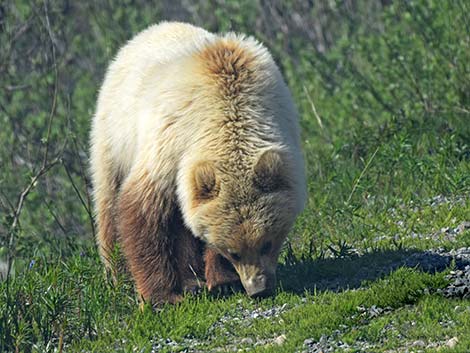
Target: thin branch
x=317, y=116
x=56, y=219
x=314, y=110
x=10, y=88
x=89, y=208
x=462, y=110
x=7, y=201
x=356, y=183
x=80, y=197
x=18, y=32
x=56, y=83
x=24, y=194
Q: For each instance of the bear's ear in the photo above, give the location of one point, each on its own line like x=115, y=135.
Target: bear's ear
x=270, y=172
x=204, y=182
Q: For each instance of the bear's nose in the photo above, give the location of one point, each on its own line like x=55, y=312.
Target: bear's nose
x=257, y=286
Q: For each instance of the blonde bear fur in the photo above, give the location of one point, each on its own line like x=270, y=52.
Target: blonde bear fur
x=195, y=137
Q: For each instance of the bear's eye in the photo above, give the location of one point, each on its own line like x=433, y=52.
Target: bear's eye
x=266, y=248
x=234, y=255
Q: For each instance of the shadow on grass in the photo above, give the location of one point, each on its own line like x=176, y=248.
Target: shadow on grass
x=347, y=273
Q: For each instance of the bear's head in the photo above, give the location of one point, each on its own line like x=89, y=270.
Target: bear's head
x=246, y=216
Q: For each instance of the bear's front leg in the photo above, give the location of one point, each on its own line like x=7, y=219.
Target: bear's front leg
x=147, y=223
x=221, y=277
x=189, y=251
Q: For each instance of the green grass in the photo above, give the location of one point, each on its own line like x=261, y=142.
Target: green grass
x=385, y=114
x=72, y=303
x=430, y=319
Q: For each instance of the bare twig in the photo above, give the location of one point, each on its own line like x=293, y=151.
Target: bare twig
x=56, y=80
x=314, y=110
x=19, y=207
x=86, y=206
x=356, y=183
x=24, y=194
x=17, y=87
x=56, y=219
x=6, y=201
x=15, y=34
x=89, y=208
x=462, y=110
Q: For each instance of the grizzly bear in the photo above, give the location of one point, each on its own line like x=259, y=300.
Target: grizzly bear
x=196, y=162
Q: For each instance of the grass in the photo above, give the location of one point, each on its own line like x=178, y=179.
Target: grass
x=385, y=132
x=71, y=305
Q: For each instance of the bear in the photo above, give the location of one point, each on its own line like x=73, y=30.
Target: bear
x=196, y=162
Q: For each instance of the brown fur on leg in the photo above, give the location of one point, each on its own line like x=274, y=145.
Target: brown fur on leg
x=148, y=220
x=189, y=252
x=220, y=273
x=106, y=182
x=106, y=236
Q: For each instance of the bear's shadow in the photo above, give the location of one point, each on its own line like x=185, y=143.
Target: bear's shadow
x=337, y=274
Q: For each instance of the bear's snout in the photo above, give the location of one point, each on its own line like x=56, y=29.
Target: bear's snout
x=259, y=286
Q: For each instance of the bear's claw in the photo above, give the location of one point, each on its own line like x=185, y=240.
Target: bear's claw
x=194, y=287
x=226, y=289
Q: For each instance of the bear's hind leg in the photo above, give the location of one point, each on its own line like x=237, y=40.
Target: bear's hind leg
x=148, y=220
x=105, y=189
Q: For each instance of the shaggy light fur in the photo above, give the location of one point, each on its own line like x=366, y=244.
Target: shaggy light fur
x=197, y=128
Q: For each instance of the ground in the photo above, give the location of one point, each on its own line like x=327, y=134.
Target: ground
x=351, y=299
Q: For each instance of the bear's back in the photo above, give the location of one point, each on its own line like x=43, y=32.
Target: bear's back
x=160, y=44
x=117, y=114
x=157, y=45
